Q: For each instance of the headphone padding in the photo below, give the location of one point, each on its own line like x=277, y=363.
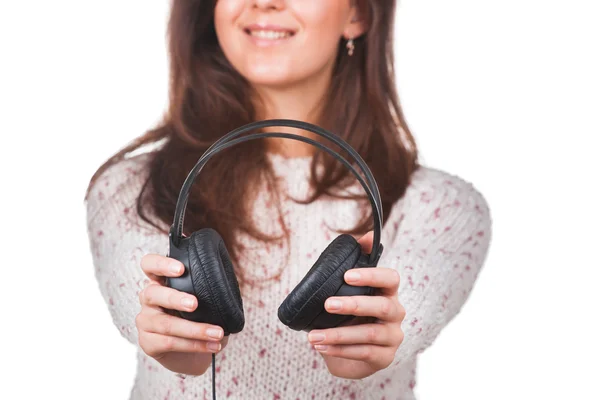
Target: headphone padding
x=322, y=281
x=214, y=281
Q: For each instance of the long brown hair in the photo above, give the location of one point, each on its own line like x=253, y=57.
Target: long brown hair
x=208, y=98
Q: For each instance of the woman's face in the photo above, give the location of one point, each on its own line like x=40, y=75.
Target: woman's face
x=281, y=42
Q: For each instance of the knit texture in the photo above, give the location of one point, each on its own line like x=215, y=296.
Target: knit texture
x=437, y=238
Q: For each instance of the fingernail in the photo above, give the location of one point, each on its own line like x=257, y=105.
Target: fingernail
x=352, y=276
x=316, y=337
x=214, y=333
x=214, y=346
x=175, y=268
x=334, y=304
x=187, y=302
x=320, y=347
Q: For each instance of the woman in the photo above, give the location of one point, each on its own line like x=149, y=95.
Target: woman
x=277, y=204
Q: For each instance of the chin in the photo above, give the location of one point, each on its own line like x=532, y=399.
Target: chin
x=270, y=77
x=272, y=81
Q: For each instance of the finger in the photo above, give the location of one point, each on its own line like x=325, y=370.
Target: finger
x=366, y=242
x=379, y=334
x=386, y=279
x=168, y=325
x=383, y=308
x=161, y=296
x=378, y=356
x=156, y=266
x=155, y=344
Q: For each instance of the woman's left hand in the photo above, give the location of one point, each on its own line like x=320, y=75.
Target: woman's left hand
x=361, y=349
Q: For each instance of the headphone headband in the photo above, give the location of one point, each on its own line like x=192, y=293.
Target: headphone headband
x=229, y=140
x=290, y=123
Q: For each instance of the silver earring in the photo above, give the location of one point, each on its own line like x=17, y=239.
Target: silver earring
x=350, y=46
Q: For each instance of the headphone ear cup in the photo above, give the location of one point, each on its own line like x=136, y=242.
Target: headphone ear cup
x=306, y=302
x=214, y=282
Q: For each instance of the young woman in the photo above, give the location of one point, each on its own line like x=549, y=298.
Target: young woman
x=278, y=203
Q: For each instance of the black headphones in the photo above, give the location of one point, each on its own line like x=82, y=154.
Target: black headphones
x=209, y=273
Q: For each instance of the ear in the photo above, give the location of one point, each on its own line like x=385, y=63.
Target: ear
x=356, y=25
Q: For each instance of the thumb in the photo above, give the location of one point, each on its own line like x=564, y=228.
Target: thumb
x=366, y=242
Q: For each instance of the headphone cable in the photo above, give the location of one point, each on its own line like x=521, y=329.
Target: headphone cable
x=213, y=378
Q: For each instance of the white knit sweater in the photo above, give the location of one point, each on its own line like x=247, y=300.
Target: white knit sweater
x=437, y=238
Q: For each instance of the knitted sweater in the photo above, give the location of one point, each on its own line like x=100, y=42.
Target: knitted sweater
x=436, y=237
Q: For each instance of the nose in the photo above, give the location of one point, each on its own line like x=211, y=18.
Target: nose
x=268, y=4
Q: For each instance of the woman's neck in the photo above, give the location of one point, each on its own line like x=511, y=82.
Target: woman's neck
x=302, y=102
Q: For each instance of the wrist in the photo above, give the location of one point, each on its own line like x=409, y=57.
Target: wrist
x=347, y=369
x=191, y=365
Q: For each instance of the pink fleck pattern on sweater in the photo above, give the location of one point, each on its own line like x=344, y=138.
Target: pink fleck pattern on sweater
x=437, y=237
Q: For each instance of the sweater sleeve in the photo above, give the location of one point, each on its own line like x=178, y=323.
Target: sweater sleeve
x=118, y=239
x=438, y=241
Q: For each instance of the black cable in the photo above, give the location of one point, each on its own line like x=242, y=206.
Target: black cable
x=214, y=389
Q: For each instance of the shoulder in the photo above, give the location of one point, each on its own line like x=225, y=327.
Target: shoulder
x=430, y=186
x=437, y=202
x=118, y=185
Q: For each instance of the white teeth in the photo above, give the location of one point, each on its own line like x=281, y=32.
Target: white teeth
x=272, y=35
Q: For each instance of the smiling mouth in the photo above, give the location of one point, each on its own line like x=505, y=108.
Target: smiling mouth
x=269, y=34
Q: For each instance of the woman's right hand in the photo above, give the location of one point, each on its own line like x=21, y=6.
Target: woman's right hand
x=180, y=345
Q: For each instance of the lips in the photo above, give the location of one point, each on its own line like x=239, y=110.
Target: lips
x=269, y=32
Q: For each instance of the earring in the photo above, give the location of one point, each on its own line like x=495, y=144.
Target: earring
x=350, y=46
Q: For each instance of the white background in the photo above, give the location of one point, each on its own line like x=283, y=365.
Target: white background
x=505, y=94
